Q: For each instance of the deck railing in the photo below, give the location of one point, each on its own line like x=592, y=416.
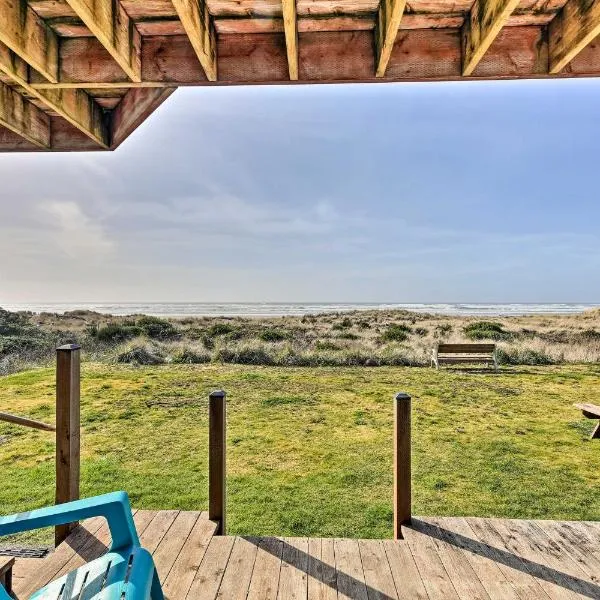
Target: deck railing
x=68, y=454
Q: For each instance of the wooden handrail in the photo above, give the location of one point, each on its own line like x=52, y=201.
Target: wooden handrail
x=26, y=422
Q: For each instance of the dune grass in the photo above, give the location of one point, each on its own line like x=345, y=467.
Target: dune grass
x=309, y=449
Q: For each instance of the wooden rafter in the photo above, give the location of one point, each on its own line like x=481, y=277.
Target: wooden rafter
x=109, y=22
x=486, y=19
x=388, y=23
x=24, y=118
x=575, y=26
x=199, y=28
x=29, y=37
x=74, y=105
x=290, y=27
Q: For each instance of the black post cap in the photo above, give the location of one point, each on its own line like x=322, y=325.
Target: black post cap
x=68, y=347
x=402, y=396
x=217, y=394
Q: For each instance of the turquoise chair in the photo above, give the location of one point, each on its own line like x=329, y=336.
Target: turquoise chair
x=125, y=572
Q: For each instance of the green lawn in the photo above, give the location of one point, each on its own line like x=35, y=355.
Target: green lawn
x=309, y=449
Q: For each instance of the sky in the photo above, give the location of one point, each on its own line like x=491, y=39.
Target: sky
x=434, y=192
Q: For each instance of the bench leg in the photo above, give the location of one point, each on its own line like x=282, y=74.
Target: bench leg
x=596, y=433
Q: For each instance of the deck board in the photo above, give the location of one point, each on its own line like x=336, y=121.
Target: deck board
x=446, y=557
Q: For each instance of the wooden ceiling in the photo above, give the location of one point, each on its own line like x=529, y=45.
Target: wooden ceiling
x=83, y=74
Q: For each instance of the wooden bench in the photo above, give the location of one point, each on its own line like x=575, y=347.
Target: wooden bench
x=455, y=354
x=591, y=411
x=6, y=566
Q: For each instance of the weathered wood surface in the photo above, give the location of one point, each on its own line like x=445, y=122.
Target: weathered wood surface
x=591, y=411
x=15, y=419
x=439, y=559
x=77, y=59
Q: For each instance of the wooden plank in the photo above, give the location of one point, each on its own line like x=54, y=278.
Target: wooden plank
x=435, y=578
x=462, y=575
x=350, y=575
x=267, y=567
x=210, y=573
x=405, y=573
x=293, y=578
x=465, y=348
x=37, y=574
x=133, y=110
x=29, y=37
x=388, y=22
x=591, y=411
x=290, y=26
x=573, y=28
x=377, y=571
x=170, y=546
x=28, y=121
x=181, y=576
x=571, y=538
x=111, y=25
x=557, y=573
x=457, y=533
x=75, y=106
x=20, y=117
x=197, y=22
x=322, y=576
x=156, y=530
x=68, y=452
x=486, y=19
x=236, y=579
x=515, y=569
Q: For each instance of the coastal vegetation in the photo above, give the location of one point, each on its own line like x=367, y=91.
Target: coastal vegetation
x=310, y=450
x=360, y=338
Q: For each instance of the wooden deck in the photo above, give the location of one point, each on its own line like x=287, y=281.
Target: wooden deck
x=447, y=558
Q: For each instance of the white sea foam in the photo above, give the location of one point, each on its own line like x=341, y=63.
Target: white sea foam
x=255, y=309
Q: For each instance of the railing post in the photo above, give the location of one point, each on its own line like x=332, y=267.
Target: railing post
x=402, y=458
x=67, y=431
x=217, y=459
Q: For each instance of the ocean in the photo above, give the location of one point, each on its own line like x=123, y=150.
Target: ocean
x=273, y=309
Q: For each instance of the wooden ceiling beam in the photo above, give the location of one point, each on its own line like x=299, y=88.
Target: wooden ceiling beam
x=290, y=28
x=484, y=22
x=24, y=118
x=29, y=37
x=386, y=30
x=199, y=28
x=108, y=21
x=573, y=28
x=74, y=105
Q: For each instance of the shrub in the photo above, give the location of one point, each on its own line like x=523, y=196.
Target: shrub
x=273, y=335
x=486, y=330
x=244, y=355
x=156, y=328
x=343, y=324
x=421, y=331
x=522, y=356
x=140, y=355
x=23, y=345
x=115, y=332
x=219, y=329
x=441, y=331
x=396, y=333
x=187, y=356
x=364, y=325
x=347, y=335
x=12, y=323
x=326, y=345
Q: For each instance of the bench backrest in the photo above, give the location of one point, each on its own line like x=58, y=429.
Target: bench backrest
x=466, y=348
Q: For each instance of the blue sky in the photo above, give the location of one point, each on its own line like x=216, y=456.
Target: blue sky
x=455, y=192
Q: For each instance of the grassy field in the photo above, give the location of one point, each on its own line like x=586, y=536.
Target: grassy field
x=309, y=449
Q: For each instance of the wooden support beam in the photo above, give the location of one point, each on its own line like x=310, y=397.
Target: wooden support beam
x=199, y=28
x=109, y=22
x=25, y=422
x=29, y=37
x=67, y=431
x=386, y=30
x=486, y=19
x=573, y=28
x=402, y=463
x=290, y=27
x=23, y=118
x=217, y=453
x=74, y=105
